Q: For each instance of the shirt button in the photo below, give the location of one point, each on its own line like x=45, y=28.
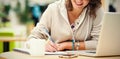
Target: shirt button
x=72, y=26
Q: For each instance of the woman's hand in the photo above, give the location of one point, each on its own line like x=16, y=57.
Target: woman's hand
x=68, y=46
x=50, y=46
x=64, y=46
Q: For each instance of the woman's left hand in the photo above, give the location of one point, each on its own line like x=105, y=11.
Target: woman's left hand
x=64, y=46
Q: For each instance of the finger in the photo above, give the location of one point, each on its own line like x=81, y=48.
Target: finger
x=59, y=47
x=53, y=45
x=49, y=47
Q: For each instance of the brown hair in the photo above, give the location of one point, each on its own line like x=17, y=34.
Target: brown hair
x=92, y=6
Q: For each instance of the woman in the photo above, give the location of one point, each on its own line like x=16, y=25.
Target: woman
x=68, y=20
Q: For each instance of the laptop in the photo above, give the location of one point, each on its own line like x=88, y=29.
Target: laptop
x=109, y=39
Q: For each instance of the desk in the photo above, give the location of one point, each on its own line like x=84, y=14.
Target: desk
x=18, y=55
x=6, y=41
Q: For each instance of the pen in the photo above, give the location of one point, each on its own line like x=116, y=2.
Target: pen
x=49, y=37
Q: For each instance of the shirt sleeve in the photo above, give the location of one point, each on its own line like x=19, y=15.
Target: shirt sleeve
x=97, y=22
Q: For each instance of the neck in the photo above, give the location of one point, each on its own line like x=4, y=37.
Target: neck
x=76, y=12
x=73, y=15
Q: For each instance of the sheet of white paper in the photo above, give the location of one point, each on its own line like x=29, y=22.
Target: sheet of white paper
x=26, y=51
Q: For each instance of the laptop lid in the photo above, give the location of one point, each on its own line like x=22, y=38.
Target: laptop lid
x=109, y=40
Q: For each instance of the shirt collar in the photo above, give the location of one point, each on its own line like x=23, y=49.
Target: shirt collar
x=63, y=12
x=80, y=19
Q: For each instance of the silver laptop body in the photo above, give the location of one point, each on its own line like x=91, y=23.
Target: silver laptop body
x=109, y=39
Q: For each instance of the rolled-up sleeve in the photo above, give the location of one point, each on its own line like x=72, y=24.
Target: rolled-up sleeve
x=96, y=27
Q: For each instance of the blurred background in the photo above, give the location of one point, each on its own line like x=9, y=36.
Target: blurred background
x=19, y=17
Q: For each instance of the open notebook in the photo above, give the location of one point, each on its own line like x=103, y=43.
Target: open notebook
x=26, y=51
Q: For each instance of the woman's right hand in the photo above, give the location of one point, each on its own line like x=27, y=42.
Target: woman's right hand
x=50, y=46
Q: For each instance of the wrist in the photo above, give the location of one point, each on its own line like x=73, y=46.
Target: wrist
x=77, y=45
x=68, y=45
x=82, y=45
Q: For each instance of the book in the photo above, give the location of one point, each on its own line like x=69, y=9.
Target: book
x=27, y=51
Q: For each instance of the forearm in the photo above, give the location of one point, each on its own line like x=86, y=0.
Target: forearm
x=69, y=45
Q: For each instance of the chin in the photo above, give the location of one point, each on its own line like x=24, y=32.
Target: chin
x=80, y=7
